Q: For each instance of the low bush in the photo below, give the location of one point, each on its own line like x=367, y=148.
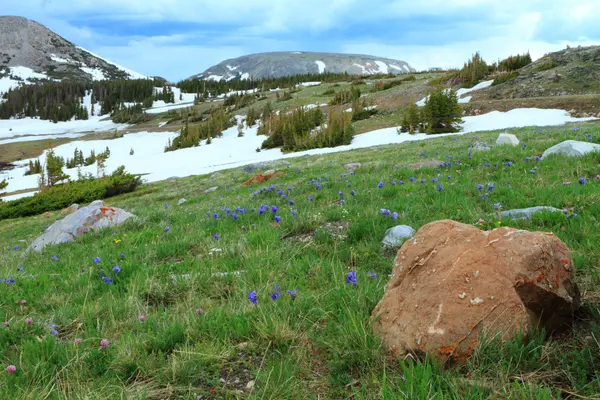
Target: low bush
x=505, y=77
x=345, y=96
x=63, y=195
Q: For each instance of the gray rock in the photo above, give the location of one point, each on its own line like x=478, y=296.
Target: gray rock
x=91, y=218
x=252, y=168
x=74, y=207
x=572, y=148
x=396, y=236
x=216, y=175
x=507, y=139
x=210, y=190
x=526, y=213
x=353, y=166
x=479, y=146
x=181, y=201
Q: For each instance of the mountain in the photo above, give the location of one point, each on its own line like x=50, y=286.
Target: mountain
x=275, y=65
x=29, y=51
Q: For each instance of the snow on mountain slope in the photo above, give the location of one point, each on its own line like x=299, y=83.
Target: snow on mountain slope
x=274, y=65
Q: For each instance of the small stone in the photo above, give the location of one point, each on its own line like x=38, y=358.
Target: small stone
x=353, y=166
x=476, y=274
x=250, y=385
x=477, y=300
x=396, y=236
x=507, y=139
x=181, y=201
x=527, y=213
x=210, y=190
x=479, y=146
x=462, y=295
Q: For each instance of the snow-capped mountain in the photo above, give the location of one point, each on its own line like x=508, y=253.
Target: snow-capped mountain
x=274, y=65
x=29, y=52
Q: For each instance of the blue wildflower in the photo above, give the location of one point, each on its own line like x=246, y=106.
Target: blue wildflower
x=116, y=269
x=252, y=297
x=293, y=213
x=107, y=280
x=440, y=187
x=497, y=206
x=538, y=158
x=55, y=258
x=10, y=280
x=122, y=256
x=97, y=259
x=582, y=181
x=291, y=202
x=292, y=293
x=16, y=248
x=274, y=209
x=277, y=294
x=216, y=236
x=310, y=198
x=351, y=278
x=380, y=185
x=353, y=193
x=216, y=216
x=277, y=219
x=166, y=206
x=167, y=229
x=394, y=216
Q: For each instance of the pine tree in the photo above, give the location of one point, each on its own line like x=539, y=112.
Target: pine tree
x=54, y=168
x=442, y=113
x=3, y=184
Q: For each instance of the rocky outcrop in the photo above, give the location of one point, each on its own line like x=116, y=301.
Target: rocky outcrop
x=507, y=139
x=452, y=283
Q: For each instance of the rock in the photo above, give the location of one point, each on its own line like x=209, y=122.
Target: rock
x=250, y=385
x=252, y=168
x=216, y=175
x=395, y=237
x=72, y=208
x=353, y=166
x=598, y=115
x=210, y=190
x=426, y=164
x=93, y=217
x=452, y=282
x=507, y=138
x=479, y=146
x=526, y=213
x=260, y=178
x=572, y=148
x=181, y=202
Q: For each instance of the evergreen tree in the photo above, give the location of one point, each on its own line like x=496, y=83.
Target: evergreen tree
x=3, y=184
x=54, y=168
x=442, y=113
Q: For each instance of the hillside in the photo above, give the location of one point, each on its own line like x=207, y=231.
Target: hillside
x=278, y=64
x=573, y=71
x=199, y=307
x=30, y=52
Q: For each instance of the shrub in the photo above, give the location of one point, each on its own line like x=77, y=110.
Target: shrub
x=252, y=116
x=345, y=96
x=505, y=77
x=190, y=136
x=361, y=111
x=303, y=129
x=412, y=120
x=514, y=63
x=380, y=86
x=328, y=92
x=284, y=97
x=63, y=195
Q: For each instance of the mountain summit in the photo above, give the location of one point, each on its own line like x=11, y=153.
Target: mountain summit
x=275, y=65
x=30, y=51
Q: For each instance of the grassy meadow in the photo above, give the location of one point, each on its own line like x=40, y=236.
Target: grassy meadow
x=241, y=293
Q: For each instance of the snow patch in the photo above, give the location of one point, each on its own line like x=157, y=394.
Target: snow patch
x=245, y=76
x=383, y=67
x=216, y=78
x=97, y=74
x=306, y=84
x=321, y=66
x=230, y=151
x=132, y=74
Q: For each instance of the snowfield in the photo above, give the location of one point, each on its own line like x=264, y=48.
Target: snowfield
x=461, y=93
x=231, y=151
x=321, y=66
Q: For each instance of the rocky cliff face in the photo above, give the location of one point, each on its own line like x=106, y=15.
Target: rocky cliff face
x=30, y=51
x=274, y=65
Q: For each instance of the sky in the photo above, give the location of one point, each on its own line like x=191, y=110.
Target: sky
x=179, y=38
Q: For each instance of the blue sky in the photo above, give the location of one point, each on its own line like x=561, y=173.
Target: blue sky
x=179, y=38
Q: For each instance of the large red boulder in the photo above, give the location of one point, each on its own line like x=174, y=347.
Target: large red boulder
x=453, y=282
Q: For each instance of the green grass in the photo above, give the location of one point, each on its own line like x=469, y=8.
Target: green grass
x=320, y=345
